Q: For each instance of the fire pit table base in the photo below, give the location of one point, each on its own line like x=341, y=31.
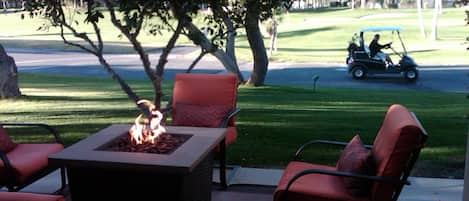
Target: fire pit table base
x=184, y=174
x=86, y=183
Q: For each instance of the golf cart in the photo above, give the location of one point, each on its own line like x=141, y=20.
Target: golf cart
x=361, y=64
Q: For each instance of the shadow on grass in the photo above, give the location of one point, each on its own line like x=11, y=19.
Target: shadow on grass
x=288, y=34
x=58, y=45
x=96, y=71
x=310, y=49
x=112, y=98
x=69, y=133
x=301, y=49
x=10, y=10
x=98, y=113
x=319, y=10
x=50, y=34
x=304, y=32
x=421, y=51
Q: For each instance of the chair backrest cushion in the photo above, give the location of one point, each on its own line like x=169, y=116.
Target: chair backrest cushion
x=6, y=144
x=356, y=158
x=204, y=90
x=399, y=136
x=200, y=115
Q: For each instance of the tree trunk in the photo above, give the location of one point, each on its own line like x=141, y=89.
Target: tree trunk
x=231, y=31
x=161, y=65
x=436, y=13
x=273, y=23
x=256, y=42
x=8, y=76
x=421, y=24
x=196, y=36
x=363, y=4
x=5, y=5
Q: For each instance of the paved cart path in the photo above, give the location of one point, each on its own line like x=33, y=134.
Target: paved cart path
x=437, y=78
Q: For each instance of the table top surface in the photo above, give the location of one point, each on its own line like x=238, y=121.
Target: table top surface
x=87, y=154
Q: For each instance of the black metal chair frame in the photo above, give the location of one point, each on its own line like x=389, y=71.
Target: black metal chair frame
x=12, y=183
x=224, y=180
x=398, y=181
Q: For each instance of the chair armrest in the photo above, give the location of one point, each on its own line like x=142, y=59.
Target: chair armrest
x=300, y=150
x=51, y=129
x=226, y=119
x=391, y=180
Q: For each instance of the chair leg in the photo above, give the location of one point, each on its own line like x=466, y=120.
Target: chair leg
x=63, y=179
x=223, y=164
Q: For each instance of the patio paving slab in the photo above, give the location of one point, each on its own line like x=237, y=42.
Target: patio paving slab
x=255, y=184
x=243, y=193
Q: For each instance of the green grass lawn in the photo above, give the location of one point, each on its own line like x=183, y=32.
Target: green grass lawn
x=319, y=35
x=271, y=124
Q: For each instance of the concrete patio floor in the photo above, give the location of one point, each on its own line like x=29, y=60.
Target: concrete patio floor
x=254, y=184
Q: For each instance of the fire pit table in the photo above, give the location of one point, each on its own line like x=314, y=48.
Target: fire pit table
x=184, y=174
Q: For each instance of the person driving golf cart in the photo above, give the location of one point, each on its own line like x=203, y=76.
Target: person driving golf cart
x=376, y=53
x=363, y=60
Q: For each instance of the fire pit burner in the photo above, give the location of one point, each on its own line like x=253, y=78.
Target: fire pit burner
x=165, y=144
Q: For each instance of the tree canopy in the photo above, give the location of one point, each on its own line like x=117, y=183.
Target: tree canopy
x=132, y=17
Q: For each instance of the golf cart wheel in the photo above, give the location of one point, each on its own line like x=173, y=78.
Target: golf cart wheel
x=411, y=75
x=358, y=72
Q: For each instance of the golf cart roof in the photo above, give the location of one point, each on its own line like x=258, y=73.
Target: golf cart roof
x=381, y=28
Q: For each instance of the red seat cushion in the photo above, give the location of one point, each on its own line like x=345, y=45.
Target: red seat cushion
x=27, y=159
x=200, y=115
x=6, y=144
x=17, y=196
x=313, y=187
x=355, y=158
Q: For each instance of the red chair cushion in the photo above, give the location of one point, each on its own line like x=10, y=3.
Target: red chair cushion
x=313, y=187
x=17, y=196
x=6, y=144
x=27, y=159
x=355, y=158
x=200, y=115
x=230, y=137
x=205, y=89
x=399, y=135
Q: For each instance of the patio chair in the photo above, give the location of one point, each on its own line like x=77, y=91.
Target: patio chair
x=361, y=174
x=207, y=100
x=25, y=163
x=20, y=196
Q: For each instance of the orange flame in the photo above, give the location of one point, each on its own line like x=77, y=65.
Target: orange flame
x=150, y=129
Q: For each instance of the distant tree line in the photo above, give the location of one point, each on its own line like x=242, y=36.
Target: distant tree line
x=21, y=3
x=299, y=4
x=12, y=4
x=312, y=4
